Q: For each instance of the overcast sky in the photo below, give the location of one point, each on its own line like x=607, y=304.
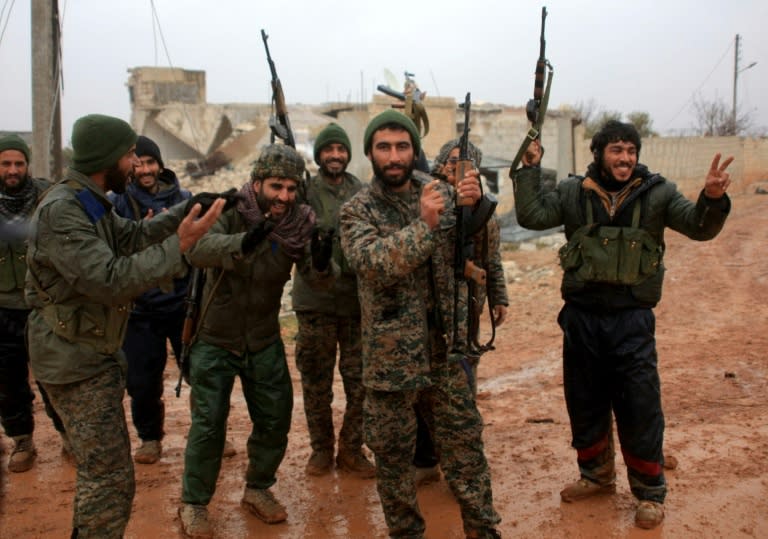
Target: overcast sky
x=652, y=55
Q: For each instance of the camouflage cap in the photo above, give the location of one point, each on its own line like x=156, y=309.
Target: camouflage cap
x=278, y=161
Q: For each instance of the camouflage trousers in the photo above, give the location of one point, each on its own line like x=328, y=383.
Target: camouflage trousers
x=450, y=412
x=316, y=343
x=94, y=419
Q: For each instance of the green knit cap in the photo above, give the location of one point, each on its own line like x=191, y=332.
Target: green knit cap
x=391, y=116
x=14, y=142
x=98, y=142
x=332, y=133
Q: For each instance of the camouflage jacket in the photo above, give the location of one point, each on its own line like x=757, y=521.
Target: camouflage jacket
x=490, y=256
x=85, y=265
x=662, y=205
x=242, y=294
x=405, y=281
x=341, y=300
x=13, y=256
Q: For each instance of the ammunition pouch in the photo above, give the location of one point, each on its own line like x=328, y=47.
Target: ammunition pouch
x=612, y=254
x=100, y=326
x=13, y=267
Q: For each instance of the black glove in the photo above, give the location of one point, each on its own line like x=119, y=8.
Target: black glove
x=321, y=248
x=206, y=200
x=256, y=235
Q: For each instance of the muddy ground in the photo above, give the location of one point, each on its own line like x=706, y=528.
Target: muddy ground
x=712, y=340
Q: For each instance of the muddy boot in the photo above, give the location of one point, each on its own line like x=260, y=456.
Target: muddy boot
x=584, y=488
x=425, y=476
x=149, y=452
x=194, y=521
x=263, y=504
x=229, y=450
x=23, y=454
x=649, y=514
x=355, y=463
x=320, y=462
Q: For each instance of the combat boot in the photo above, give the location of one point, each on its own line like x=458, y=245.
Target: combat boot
x=194, y=521
x=649, y=514
x=355, y=463
x=23, y=454
x=149, y=452
x=262, y=503
x=584, y=488
x=320, y=462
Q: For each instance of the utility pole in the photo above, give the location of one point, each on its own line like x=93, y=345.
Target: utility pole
x=736, y=71
x=46, y=90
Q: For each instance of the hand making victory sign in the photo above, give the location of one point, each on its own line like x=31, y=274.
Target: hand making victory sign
x=718, y=179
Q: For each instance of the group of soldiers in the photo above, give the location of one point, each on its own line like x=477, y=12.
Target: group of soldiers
x=95, y=296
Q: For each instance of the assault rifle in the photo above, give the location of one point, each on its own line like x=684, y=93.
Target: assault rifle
x=469, y=221
x=536, y=108
x=279, y=123
x=413, y=102
x=191, y=314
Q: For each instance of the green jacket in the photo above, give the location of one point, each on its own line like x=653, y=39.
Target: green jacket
x=85, y=264
x=341, y=300
x=662, y=206
x=13, y=256
x=405, y=280
x=241, y=298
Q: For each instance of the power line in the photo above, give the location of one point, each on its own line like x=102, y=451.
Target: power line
x=695, y=92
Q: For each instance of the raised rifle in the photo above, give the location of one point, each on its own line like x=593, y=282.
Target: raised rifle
x=279, y=123
x=536, y=109
x=469, y=221
x=191, y=315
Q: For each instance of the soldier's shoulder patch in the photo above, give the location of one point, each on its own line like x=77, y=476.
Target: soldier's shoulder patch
x=93, y=208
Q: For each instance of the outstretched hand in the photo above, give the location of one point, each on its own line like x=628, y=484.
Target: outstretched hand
x=718, y=179
x=193, y=227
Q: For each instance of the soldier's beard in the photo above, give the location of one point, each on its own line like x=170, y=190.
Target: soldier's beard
x=396, y=181
x=115, y=180
x=333, y=174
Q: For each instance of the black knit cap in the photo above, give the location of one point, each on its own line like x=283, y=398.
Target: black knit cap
x=99, y=141
x=146, y=147
x=332, y=133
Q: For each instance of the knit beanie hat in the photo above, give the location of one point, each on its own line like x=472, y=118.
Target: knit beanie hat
x=146, y=147
x=98, y=142
x=332, y=133
x=278, y=161
x=391, y=116
x=14, y=142
x=475, y=154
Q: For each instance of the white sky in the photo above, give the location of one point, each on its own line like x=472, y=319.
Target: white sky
x=645, y=55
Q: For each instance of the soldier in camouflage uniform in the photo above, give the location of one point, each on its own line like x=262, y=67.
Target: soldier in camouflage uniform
x=248, y=257
x=398, y=237
x=85, y=264
x=18, y=197
x=330, y=317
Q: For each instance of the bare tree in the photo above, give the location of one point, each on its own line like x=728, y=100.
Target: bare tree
x=643, y=123
x=716, y=119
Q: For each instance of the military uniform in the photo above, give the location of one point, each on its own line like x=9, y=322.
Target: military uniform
x=405, y=279
x=613, y=274
x=86, y=264
x=239, y=335
x=325, y=319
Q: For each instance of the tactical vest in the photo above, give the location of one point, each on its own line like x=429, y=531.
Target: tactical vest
x=622, y=255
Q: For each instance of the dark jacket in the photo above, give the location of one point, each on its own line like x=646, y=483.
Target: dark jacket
x=662, y=206
x=135, y=204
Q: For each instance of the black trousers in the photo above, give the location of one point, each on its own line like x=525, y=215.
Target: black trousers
x=15, y=393
x=145, y=349
x=610, y=368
